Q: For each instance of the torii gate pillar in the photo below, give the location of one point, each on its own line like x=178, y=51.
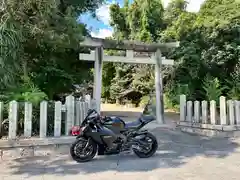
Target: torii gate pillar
x=159, y=88
x=97, y=89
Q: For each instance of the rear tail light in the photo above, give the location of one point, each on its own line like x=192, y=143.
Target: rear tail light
x=75, y=130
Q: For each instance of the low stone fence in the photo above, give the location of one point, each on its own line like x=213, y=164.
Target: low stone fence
x=25, y=141
x=11, y=149
x=208, y=118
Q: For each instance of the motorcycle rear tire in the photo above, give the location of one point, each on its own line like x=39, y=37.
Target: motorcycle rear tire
x=152, y=151
x=85, y=158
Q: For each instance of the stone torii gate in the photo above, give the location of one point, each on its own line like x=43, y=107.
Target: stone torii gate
x=156, y=58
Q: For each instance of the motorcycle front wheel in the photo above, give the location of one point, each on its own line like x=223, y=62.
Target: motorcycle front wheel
x=153, y=146
x=83, y=150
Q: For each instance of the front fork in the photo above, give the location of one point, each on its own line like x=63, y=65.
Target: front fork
x=86, y=142
x=86, y=145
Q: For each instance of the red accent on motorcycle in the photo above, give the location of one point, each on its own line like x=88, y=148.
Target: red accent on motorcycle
x=76, y=130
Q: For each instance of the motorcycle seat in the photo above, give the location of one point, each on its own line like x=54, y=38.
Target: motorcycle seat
x=133, y=124
x=143, y=119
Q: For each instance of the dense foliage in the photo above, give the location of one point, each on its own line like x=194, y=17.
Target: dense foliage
x=207, y=61
x=40, y=47
x=39, y=53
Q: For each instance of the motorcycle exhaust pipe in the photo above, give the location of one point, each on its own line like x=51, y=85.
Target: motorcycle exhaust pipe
x=138, y=144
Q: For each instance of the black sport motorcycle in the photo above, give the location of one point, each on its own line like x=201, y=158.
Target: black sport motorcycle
x=111, y=135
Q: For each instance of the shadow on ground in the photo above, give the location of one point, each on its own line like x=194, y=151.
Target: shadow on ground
x=175, y=150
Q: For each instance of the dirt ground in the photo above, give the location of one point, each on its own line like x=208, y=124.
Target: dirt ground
x=131, y=113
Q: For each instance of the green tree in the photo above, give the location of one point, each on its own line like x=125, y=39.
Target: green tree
x=126, y=24
x=180, y=27
x=174, y=9
x=48, y=45
x=209, y=45
x=39, y=51
x=217, y=13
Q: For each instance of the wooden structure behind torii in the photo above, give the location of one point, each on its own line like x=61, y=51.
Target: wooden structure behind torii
x=130, y=47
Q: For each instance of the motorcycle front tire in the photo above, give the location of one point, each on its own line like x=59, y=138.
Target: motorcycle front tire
x=85, y=158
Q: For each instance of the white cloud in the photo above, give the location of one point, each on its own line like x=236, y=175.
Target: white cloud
x=102, y=33
x=103, y=14
x=194, y=6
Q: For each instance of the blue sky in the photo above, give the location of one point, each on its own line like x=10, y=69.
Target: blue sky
x=100, y=27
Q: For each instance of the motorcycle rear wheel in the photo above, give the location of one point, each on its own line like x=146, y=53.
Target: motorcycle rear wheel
x=75, y=150
x=151, y=152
